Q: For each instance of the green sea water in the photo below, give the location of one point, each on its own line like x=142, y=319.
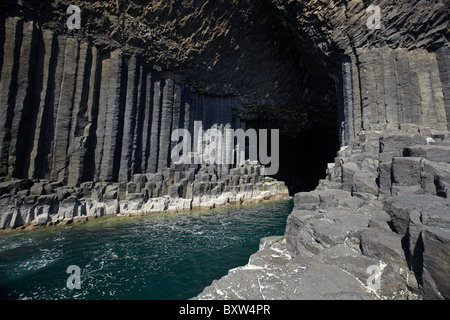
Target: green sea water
x=156, y=257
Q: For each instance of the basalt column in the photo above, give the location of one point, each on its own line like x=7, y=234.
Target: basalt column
x=388, y=88
x=72, y=113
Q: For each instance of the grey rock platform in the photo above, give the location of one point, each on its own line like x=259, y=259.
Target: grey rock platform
x=375, y=214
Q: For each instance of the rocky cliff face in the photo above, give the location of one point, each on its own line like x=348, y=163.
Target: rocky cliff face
x=392, y=75
x=76, y=101
x=71, y=114
x=376, y=228
x=96, y=105
x=273, y=63
x=382, y=212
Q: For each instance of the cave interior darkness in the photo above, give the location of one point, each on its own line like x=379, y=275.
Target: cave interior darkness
x=303, y=159
x=309, y=126
x=303, y=156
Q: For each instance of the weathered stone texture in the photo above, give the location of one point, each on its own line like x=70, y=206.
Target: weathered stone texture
x=387, y=210
x=73, y=114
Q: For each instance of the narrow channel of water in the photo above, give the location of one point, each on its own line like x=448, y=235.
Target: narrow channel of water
x=164, y=257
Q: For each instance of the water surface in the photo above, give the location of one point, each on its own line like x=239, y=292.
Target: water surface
x=167, y=256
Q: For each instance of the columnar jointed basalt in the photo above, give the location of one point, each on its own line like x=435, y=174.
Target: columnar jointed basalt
x=382, y=210
x=79, y=125
x=85, y=123
x=384, y=88
x=30, y=203
x=72, y=114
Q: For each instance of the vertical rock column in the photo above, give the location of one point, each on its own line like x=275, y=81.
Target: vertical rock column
x=138, y=134
x=187, y=110
x=427, y=110
x=64, y=111
x=356, y=89
x=438, y=93
x=20, y=99
x=147, y=110
x=407, y=88
x=368, y=89
x=176, y=114
x=390, y=88
x=106, y=68
x=155, y=128
x=378, y=76
x=166, y=125
x=36, y=164
x=349, y=131
x=442, y=57
x=8, y=82
x=83, y=116
x=384, y=88
x=129, y=121
x=109, y=130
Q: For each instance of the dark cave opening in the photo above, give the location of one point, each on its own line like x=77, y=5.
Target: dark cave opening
x=309, y=111
x=304, y=158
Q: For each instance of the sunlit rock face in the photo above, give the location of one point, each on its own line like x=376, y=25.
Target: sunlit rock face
x=90, y=110
x=102, y=100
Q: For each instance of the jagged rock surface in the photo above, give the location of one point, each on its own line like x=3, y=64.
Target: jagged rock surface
x=33, y=203
x=400, y=224
x=84, y=110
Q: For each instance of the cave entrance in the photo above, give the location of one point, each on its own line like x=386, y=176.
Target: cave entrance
x=305, y=108
x=304, y=153
x=304, y=158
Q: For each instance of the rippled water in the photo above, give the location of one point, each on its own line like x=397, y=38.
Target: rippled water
x=171, y=256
